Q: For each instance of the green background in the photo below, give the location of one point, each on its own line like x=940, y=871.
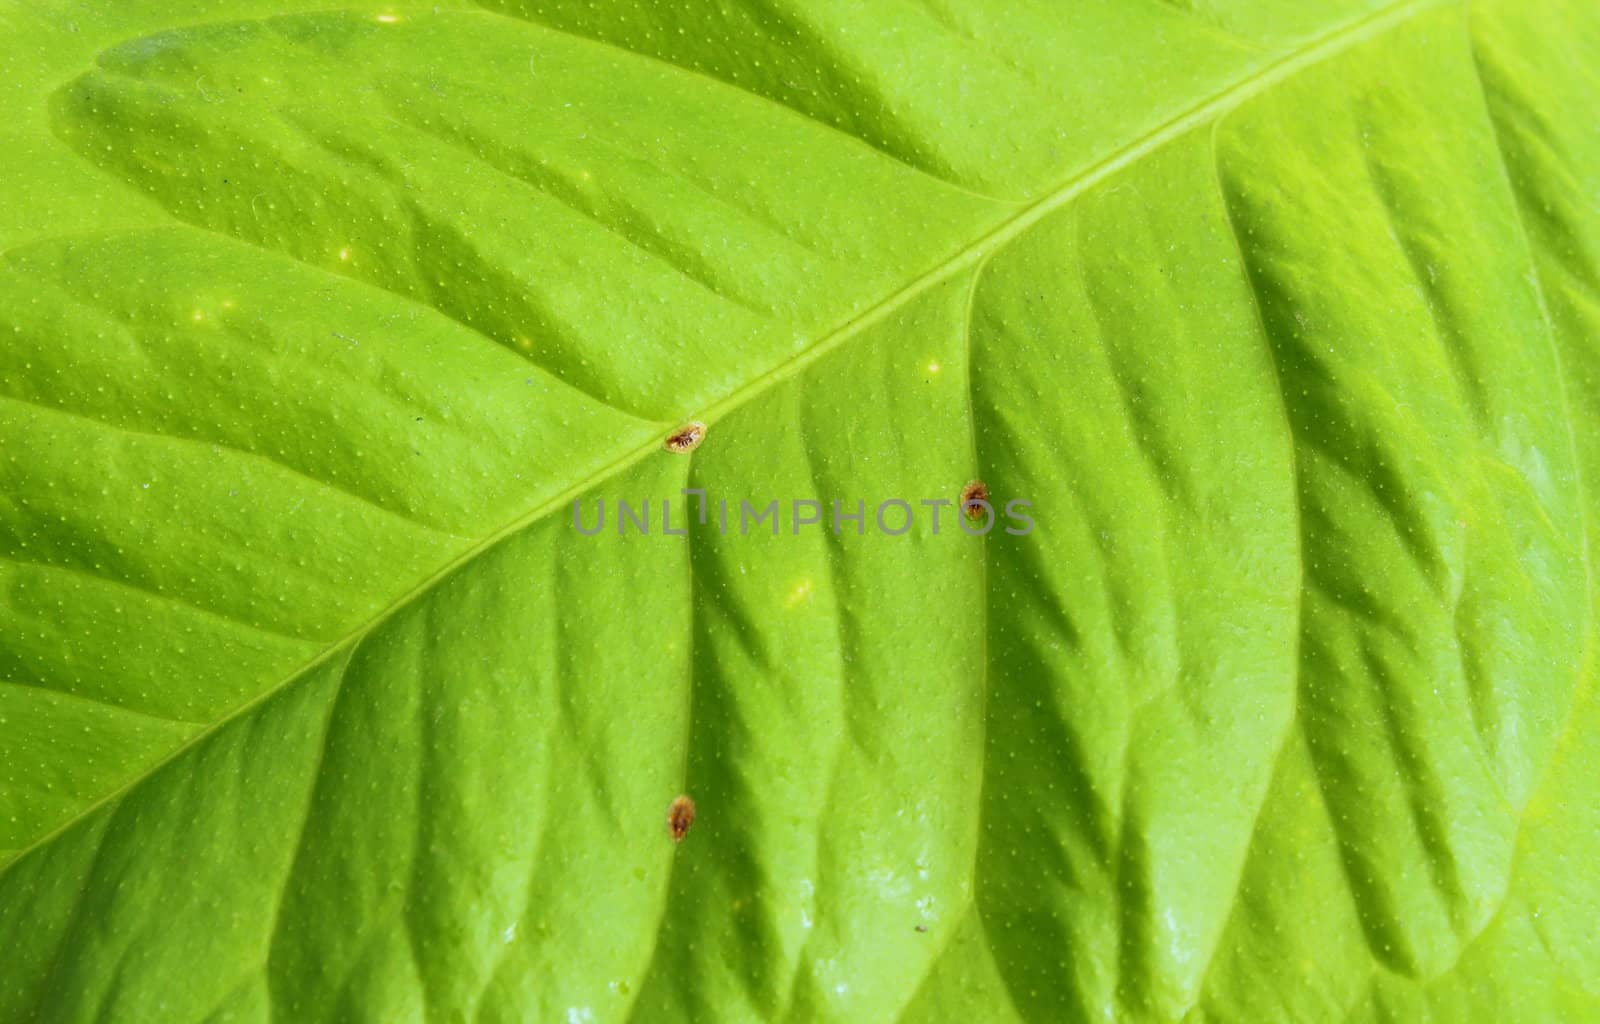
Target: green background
x=1285, y=316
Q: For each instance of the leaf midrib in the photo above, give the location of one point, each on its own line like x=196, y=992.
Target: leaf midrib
x=1318, y=50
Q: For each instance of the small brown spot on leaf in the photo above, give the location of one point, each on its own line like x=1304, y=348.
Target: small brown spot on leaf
x=971, y=494
x=922, y=927
x=686, y=438
x=679, y=817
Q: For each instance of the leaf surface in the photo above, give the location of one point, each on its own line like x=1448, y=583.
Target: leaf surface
x=315, y=705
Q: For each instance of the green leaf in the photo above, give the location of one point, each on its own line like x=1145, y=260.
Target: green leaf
x=316, y=325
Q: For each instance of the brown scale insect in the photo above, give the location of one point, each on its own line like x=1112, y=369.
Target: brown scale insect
x=974, y=492
x=679, y=817
x=686, y=438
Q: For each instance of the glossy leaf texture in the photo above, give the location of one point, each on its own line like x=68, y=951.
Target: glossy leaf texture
x=315, y=324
